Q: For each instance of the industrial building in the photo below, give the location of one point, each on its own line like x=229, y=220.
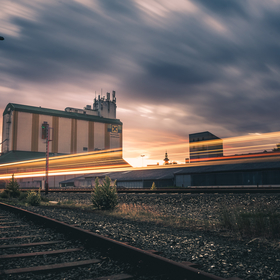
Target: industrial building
x=257, y=172
x=143, y=178
x=93, y=133
x=71, y=131
x=204, y=145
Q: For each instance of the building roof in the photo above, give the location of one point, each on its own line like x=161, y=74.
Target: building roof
x=16, y=156
x=57, y=113
x=230, y=167
x=131, y=175
x=168, y=173
x=203, y=136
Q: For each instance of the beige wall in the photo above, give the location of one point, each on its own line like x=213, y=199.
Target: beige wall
x=24, y=131
x=64, y=136
x=67, y=135
x=82, y=135
x=115, y=140
x=99, y=136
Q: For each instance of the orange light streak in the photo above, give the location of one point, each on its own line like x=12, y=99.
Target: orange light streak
x=111, y=160
x=67, y=164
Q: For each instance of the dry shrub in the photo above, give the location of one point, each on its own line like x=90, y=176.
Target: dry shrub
x=254, y=222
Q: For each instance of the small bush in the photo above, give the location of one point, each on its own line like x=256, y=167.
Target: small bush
x=105, y=196
x=44, y=198
x=153, y=186
x=4, y=194
x=33, y=198
x=12, y=188
x=23, y=196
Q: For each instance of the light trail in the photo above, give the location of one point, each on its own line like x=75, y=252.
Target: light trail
x=254, y=143
x=111, y=160
x=64, y=165
x=240, y=144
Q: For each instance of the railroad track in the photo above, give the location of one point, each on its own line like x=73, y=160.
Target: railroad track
x=28, y=251
x=37, y=247
x=210, y=189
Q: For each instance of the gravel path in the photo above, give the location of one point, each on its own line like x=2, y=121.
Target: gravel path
x=222, y=256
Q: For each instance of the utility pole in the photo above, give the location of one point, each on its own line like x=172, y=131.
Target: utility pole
x=46, y=135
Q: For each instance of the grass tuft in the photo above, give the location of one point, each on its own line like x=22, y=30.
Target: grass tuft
x=255, y=222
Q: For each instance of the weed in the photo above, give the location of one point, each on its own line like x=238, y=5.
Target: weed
x=153, y=186
x=44, y=199
x=104, y=197
x=4, y=194
x=23, y=196
x=33, y=198
x=255, y=222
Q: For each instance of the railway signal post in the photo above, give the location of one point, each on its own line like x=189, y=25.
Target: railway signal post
x=46, y=135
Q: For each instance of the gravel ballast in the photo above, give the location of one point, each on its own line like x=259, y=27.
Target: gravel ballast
x=224, y=256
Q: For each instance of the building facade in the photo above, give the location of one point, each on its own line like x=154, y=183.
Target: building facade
x=71, y=131
x=204, y=145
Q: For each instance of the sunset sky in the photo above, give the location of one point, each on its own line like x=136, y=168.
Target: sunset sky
x=178, y=67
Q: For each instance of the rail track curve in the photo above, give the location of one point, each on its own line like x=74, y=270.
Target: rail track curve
x=151, y=262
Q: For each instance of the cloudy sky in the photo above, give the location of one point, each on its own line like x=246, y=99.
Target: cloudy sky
x=178, y=67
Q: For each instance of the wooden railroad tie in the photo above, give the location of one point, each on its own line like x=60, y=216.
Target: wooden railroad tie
x=48, y=268
x=35, y=254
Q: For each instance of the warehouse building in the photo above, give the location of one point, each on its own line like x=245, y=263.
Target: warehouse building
x=71, y=131
x=93, y=133
x=256, y=172
x=144, y=178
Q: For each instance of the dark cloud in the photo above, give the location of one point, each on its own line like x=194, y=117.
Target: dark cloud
x=119, y=7
x=64, y=41
x=225, y=7
x=220, y=64
x=177, y=74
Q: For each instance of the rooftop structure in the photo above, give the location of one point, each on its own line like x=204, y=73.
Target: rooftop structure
x=104, y=108
x=166, y=159
x=204, y=145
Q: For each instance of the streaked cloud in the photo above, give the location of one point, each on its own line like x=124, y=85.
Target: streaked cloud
x=192, y=65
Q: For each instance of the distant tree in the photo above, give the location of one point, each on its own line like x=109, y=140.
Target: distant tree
x=12, y=188
x=277, y=149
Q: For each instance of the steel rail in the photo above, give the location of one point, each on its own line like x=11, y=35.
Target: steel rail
x=120, y=249
x=222, y=189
